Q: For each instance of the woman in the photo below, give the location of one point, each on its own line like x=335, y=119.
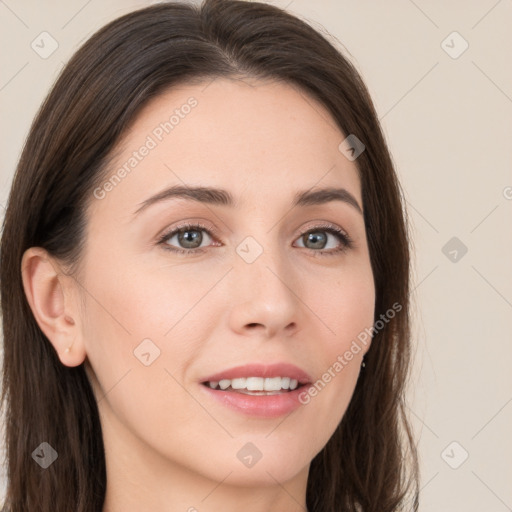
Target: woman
x=205, y=277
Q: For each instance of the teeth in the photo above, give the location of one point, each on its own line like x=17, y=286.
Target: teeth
x=238, y=383
x=272, y=384
x=256, y=383
x=224, y=383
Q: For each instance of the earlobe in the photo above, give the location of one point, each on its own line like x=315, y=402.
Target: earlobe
x=49, y=294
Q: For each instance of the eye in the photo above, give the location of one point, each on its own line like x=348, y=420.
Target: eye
x=317, y=239
x=189, y=238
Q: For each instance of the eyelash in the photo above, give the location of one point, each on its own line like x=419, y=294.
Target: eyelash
x=346, y=241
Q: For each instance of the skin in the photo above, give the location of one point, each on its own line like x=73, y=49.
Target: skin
x=168, y=446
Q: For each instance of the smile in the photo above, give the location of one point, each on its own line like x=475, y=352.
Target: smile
x=256, y=385
x=258, y=390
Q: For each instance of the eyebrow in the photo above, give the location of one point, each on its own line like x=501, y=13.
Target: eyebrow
x=221, y=197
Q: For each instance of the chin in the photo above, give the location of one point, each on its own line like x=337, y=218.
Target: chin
x=258, y=462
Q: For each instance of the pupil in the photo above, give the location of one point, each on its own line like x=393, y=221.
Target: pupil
x=191, y=238
x=318, y=240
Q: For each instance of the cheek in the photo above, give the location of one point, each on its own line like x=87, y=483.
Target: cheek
x=345, y=306
x=344, y=302
x=142, y=332
x=133, y=300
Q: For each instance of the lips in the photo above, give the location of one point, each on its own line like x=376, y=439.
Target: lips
x=258, y=389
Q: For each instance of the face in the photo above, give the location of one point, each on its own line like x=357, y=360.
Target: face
x=185, y=294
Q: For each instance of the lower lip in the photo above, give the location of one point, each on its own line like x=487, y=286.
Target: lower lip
x=267, y=406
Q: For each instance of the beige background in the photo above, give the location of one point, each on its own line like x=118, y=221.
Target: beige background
x=448, y=122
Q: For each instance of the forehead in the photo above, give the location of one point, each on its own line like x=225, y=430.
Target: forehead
x=259, y=139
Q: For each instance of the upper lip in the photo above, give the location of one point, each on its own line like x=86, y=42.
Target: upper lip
x=261, y=370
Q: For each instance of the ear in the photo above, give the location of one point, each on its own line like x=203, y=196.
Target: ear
x=52, y=296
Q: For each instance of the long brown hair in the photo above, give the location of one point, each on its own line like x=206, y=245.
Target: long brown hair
x=370, y=463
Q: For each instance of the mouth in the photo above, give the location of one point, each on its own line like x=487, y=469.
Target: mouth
x=258, y=390
x=256, y=386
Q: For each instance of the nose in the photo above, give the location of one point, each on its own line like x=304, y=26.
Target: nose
x=265, y=298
